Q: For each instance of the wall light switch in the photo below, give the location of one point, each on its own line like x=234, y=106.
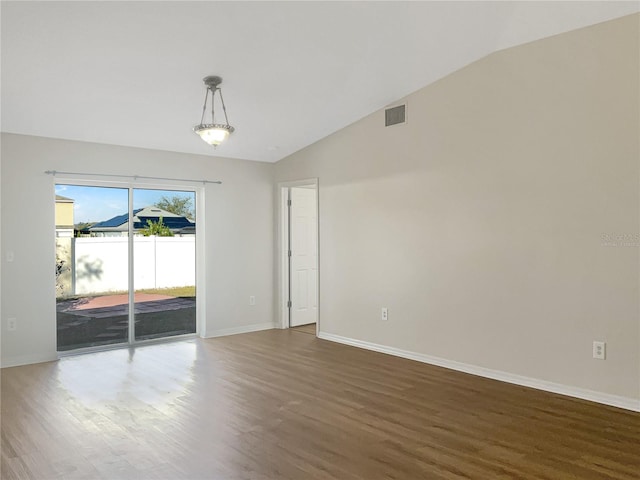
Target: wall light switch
x=252, y=300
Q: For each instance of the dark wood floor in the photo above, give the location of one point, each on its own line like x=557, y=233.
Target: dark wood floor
x=280, y=404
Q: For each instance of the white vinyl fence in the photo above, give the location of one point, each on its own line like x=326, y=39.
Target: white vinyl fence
x=101, y=264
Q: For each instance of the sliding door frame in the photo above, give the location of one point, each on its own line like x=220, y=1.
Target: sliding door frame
x=130, y=186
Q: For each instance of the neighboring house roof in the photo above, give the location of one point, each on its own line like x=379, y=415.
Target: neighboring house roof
x=61, y=199
x=120, y=223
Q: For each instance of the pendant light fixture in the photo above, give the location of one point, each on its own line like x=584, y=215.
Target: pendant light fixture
x=213, y=133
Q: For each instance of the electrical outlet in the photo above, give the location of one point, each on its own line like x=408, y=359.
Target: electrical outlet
x=252, y=300
x=385, y=314
x=12, y=324
x=599, y=350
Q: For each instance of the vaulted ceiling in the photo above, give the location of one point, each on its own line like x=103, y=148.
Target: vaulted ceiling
x=130, y=73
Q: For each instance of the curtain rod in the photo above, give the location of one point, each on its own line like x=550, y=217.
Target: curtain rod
x=134, y=177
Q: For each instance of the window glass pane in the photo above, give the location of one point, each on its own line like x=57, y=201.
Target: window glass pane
x=92, y=279
x=164, y=246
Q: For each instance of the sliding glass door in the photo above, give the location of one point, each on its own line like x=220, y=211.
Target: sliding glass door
x=92, y=272
x=164, y=255
x=125, y=265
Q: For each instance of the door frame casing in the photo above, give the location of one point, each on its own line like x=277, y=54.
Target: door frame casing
x=282, y=245
x=90, y=181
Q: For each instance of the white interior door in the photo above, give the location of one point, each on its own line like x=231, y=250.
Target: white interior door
x=304, y=256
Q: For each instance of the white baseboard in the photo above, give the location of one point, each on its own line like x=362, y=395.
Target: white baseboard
x=599, y=397
x=223, y=332
x=28, y=359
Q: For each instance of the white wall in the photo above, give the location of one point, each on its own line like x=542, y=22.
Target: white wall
x=482, y=223
x=238, y=232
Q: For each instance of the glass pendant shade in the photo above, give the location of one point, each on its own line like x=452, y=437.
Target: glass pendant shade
x=213, y=134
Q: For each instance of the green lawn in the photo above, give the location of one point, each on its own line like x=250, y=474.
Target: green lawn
x=170, y=292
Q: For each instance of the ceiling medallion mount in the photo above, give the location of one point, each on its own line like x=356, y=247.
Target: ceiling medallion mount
x=212, y=81
x=213, y=133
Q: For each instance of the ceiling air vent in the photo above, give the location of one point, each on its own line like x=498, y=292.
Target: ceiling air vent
x=395, y=115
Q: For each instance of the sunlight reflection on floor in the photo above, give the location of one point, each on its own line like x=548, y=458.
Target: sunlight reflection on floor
x=134, y=376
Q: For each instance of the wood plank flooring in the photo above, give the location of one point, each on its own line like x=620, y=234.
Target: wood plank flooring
x=280, y=404
x=310, y=329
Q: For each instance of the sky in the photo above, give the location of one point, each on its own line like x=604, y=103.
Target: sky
x=96, y=204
